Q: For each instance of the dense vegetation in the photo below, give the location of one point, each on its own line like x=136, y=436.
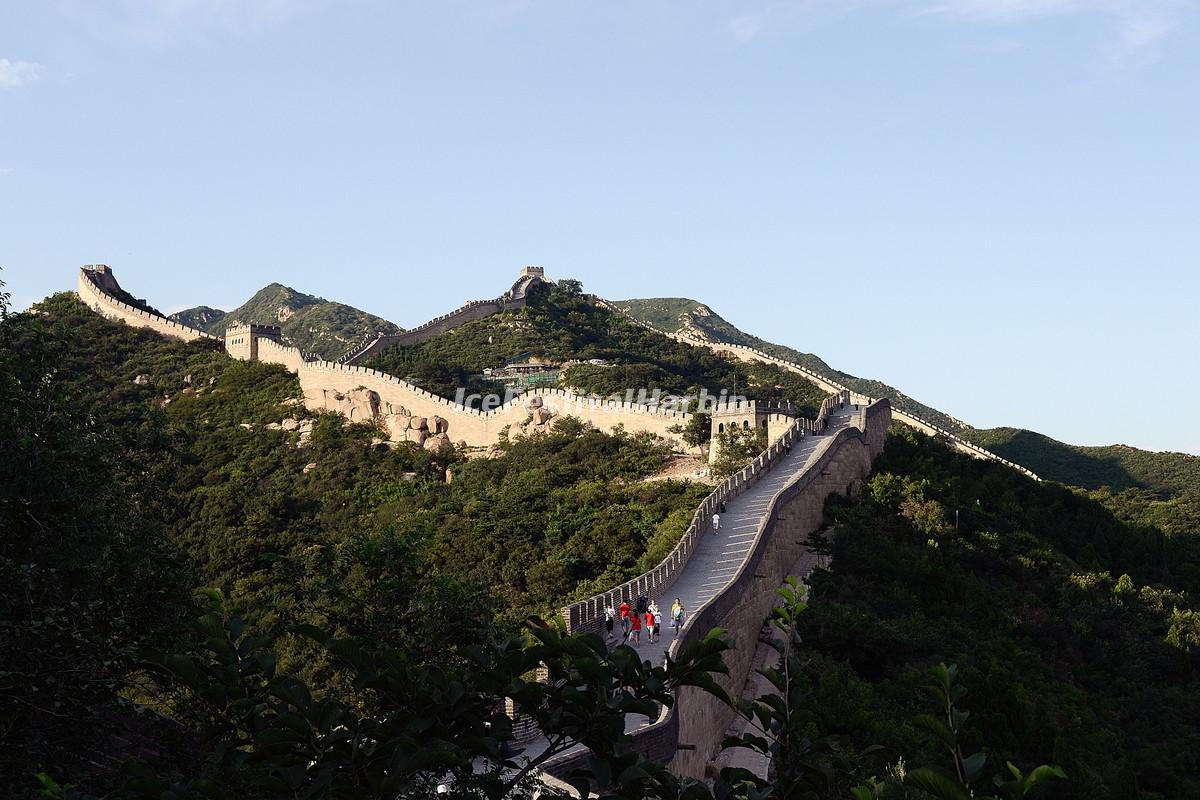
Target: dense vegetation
x=679, y=314
x=1077, y=634
x=1116, y=466
x=562, y=324
x=313, y=324
x=138, y=469
x=371, y=589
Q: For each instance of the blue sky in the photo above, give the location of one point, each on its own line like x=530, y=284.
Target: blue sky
x=992, y=204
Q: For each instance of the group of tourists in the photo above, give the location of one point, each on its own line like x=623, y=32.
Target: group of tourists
x=643, y=615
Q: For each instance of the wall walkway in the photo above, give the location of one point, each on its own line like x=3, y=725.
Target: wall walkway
x=728, y=579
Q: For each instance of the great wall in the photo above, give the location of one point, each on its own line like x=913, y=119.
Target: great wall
x=407, y=412
x=726, y=579
x=743, y=353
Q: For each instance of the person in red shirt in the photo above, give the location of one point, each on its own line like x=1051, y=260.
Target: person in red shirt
x=651, y=626
x=635, y=628
x=623, y=613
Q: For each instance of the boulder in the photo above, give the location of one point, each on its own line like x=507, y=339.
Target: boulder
x=418, y=423
x=397, y=426
x=540, y=416
x=141, y=380
x=290, y=424
x=309, y=467
x=416, y=436
x=438, y=425
x=534, y=402
x=438, y=442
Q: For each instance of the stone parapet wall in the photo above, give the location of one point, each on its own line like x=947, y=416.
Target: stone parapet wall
x=333, y=386
x=690, y=733
x=744, y=353
x=588, y=614
x=512, y=300
x=95, y=298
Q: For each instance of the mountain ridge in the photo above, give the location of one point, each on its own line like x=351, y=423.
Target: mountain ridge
x=1116, y=466
x=313, y=324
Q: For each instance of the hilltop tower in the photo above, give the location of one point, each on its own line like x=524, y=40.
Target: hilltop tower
x=774, y=417
x=241, y=339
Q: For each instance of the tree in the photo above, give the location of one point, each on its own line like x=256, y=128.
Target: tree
x=736, y=447
x=84, y=576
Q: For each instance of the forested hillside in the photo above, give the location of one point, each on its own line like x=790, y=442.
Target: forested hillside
x=561, y=324
x=1116, y=466
x=137, y=470
x=311, y=323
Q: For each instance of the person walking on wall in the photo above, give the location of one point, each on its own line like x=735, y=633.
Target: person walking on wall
x=716, y=523
x=635, y=628
x=651, y=626
x=677, y=615
x=610, y=616
x=623, y=612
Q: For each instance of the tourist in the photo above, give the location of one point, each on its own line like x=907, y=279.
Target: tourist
x=677, y=615
x=716, y=523
x=623, y=612
x=651, y=626
x=609, y=616
x=635, y=628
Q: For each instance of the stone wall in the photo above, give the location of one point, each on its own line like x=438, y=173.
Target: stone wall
x=404, y=410
x=744, y=353
x=106, y=305
x=587, y=615
x=511, y=300
x=795, y=513
x=478, y=309
x=690, y=733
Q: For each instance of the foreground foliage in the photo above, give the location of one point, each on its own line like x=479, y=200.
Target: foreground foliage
x=1077, y=631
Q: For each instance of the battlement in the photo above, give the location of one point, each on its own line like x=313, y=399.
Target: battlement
x=242, y=339
x=533, y=272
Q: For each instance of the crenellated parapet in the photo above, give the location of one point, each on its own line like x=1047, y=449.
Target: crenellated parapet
x=405, y=411
x=842, y=442
x=94, y=287
x=743, y=353
x=512, y=300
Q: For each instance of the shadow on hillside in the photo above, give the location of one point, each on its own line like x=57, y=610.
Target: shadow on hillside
x=1056, y=461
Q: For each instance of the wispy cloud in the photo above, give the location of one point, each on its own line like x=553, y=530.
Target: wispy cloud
x=1006, y=10
x=5, y=171
x=163, y=21
x=746, y=28
x=14, y=74
x=1137, y=25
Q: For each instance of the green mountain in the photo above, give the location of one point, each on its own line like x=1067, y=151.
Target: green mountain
x=201, y=317
x=563, y=326
x=1117, y=466
x=693, y=318
x=311, y=323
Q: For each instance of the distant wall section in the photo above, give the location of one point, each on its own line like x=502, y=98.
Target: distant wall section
x=88, y=287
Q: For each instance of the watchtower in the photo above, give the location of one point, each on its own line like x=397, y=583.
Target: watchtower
x=774, y=417
x=533, y=272
x=241, y=339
